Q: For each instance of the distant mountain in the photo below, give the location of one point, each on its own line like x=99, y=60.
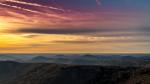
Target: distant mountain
x=80, y=59
x=5, y=58
x=88, y=59
x=90, y=56
x=40, y=59
x=13, y=57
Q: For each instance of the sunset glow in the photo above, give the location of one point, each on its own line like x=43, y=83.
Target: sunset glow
x=74, y=26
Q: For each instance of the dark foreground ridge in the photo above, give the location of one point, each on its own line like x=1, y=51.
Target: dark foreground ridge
x=33, y=73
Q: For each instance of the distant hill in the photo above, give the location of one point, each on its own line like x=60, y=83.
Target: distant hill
x=13, y=57
x=88, y=59
x=40, y=59
x=5, y=58
x=81, y=59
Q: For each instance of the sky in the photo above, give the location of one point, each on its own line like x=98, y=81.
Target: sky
x=74, y=26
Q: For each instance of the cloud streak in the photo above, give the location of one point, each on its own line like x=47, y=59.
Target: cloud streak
x=111, y=40
x=34, y=4
x=47, y=13
x=101, y=31
x=20, y=8
x=76, y=42
x=56, y=31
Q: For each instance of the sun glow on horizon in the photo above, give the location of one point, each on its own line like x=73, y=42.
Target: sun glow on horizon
x=74, y=26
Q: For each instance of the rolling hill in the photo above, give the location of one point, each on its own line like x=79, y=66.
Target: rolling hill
x=46, y=73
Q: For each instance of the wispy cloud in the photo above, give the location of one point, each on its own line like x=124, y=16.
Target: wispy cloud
x=56, y=31
x=34, y=4
x=76, y=42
